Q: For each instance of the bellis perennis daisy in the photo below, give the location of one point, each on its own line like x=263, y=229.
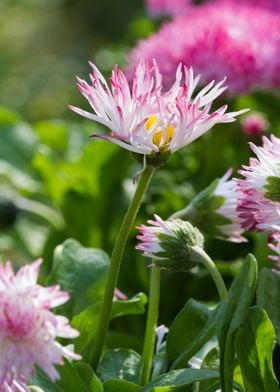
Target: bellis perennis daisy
x=259, y=195
x=143, y=119
x=28, y=328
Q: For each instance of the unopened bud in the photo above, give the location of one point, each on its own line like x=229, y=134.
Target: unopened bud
x=169, y=243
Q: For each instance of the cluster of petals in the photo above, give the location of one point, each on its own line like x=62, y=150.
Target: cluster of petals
x=241, y=42
x=227, y=188
x=145, y=120
x=149, y=237
x=158, y=8
x=257, y=209
x=28, y=328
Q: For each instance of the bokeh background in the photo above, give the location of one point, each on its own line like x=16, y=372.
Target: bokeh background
x=56, y=183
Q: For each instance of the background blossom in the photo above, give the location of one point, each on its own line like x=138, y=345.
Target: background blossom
x=241, y=42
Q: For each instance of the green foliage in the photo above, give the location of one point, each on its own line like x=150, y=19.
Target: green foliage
x=120, y=386
x=81, y=272
x=190, y=330
x=121, y=364
x=178, y=380
x=268, y=293
x=255, y=343
x=232, y=313
x=86, y=321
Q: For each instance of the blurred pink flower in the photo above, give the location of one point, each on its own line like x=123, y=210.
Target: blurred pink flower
x=273, y=5
x=147, y=121
x=217, y=40
x=158, y=8
x=28, y=328
x=255, y=124
x=259, y=196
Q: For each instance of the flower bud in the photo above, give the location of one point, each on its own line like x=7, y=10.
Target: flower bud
x=170, y=243
x=214, y=210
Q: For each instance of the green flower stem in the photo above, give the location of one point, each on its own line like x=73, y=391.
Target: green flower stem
x=113, y=274
x=202, y=257
x=151, y=325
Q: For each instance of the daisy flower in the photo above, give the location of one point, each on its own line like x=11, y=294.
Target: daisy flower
x=144, y=119
x=28, y=328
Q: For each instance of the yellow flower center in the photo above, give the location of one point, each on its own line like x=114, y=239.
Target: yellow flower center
x=157, y=137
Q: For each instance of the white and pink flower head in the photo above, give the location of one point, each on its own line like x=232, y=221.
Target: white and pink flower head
x=28, y=328
x=259, y=190
x=144, y=119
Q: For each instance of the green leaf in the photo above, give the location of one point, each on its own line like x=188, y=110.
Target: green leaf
x=210, y=362
x=255, y=344
x=268, y=294
x=96, y=384
x=41, y=380
x=160, y=362
x=177, y=380
x=120, y=386
x=81, y=272
x=191, y=329
x=86, y=321
x=123, y=364
x=231, y=315
x=70, y=380
x=86, y=374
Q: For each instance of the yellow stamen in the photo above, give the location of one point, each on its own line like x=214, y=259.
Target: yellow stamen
x=159, y=135
x=153, y=121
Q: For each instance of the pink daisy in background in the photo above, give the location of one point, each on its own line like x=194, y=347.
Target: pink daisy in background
x=241, y=42
x=28, y=328
x=143, y=119
x=259, y=195
x=255, y=124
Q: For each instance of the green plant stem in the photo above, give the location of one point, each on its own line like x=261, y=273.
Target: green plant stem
x=202, y=257
x=151, y=325
x=114, y=268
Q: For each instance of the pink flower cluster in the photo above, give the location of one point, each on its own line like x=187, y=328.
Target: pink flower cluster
x=28, y=328
x=241, y=42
